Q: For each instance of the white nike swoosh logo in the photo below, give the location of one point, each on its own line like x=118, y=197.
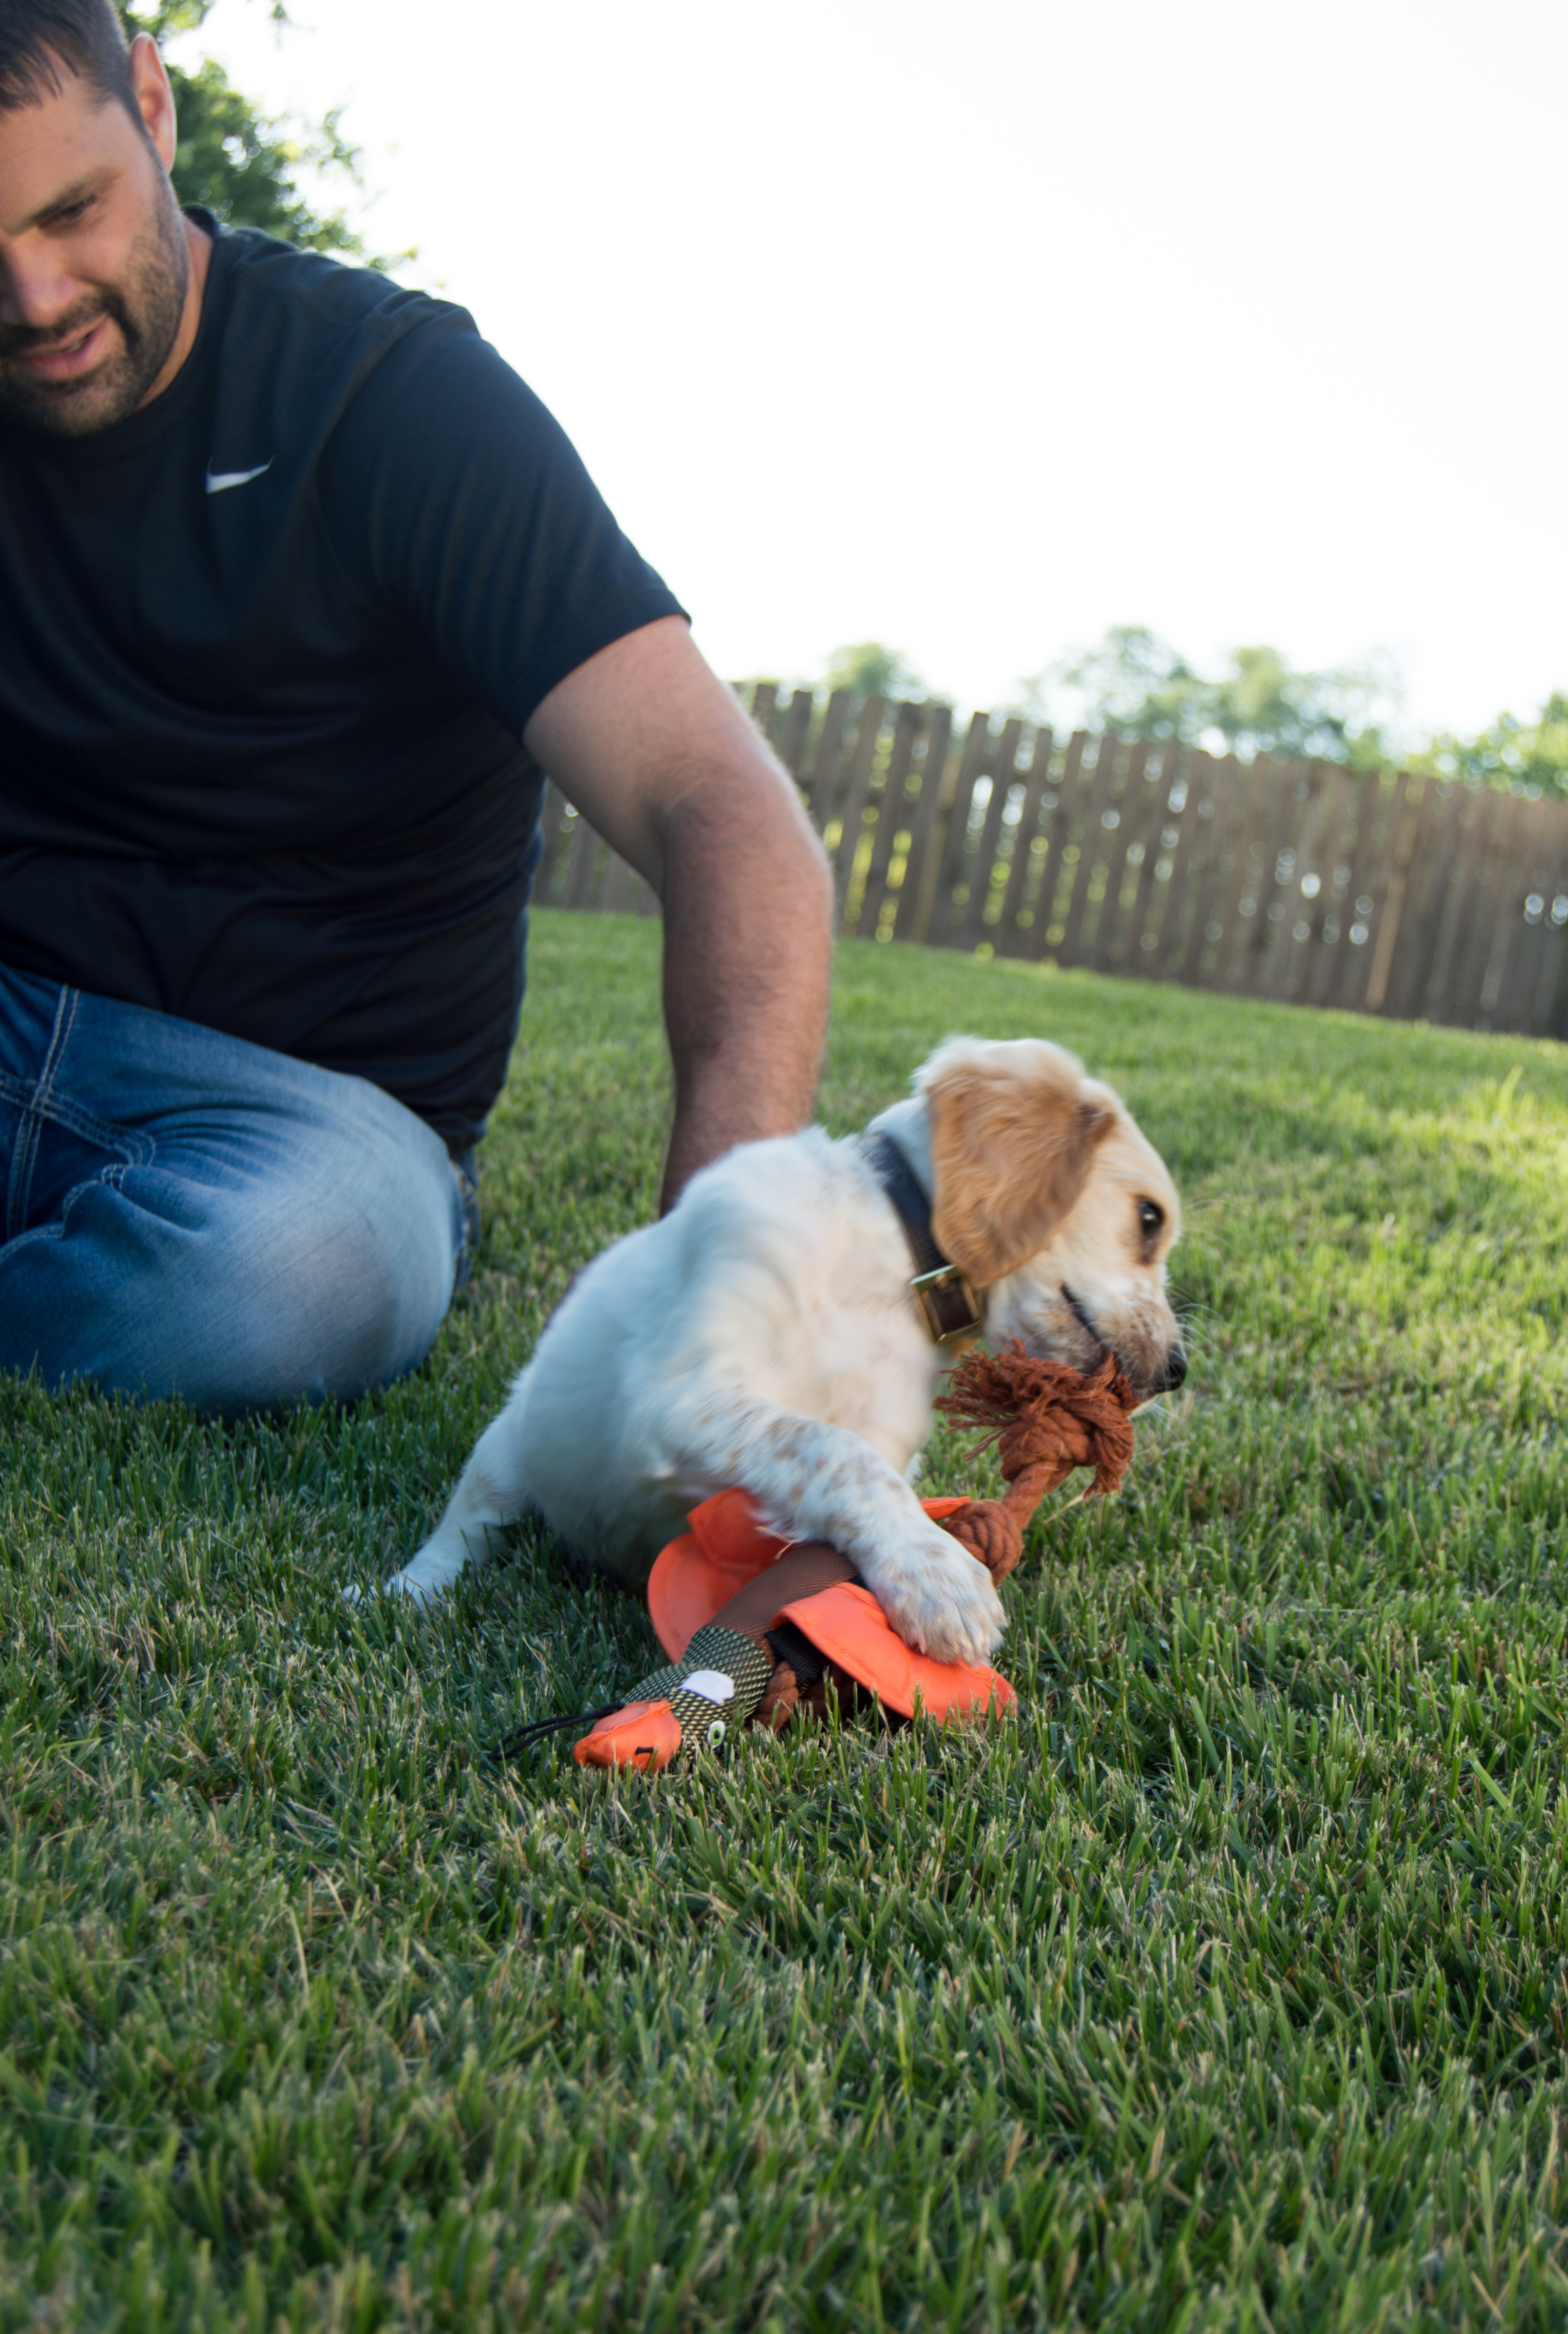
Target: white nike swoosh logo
x=218, y=482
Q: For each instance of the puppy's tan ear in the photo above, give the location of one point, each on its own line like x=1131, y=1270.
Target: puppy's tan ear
x=1011, y=1151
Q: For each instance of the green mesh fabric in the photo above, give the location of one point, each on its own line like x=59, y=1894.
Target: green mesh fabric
x=740, y=1659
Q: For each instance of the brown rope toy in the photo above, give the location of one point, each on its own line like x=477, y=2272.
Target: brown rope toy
x=1046, y=1419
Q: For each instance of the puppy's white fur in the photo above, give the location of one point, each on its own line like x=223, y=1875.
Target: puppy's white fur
x=765, y=1335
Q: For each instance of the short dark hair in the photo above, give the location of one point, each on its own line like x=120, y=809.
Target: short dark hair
x=39, y=37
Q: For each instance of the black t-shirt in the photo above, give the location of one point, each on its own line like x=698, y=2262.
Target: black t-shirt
x=267, y=648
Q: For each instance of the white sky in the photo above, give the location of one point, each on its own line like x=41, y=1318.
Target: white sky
x=976, y=329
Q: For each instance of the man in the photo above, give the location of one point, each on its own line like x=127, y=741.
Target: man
x=301, y=592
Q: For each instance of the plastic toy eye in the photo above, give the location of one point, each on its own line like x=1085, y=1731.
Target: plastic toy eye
x=716, y=1734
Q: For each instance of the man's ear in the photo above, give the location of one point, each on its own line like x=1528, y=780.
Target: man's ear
x=154, y=97
x=1011, y=1150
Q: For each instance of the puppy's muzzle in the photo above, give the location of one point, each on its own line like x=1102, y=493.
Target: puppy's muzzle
x=1148, y=1374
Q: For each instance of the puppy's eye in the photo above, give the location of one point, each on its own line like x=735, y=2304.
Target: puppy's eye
x=1150, y=1216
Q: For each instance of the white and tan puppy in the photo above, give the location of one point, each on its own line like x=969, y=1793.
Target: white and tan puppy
x=765, y=1334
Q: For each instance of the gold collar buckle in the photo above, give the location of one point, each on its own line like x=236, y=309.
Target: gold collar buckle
x=949, y=1304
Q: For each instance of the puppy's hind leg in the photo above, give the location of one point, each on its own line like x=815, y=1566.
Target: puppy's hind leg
x=490, y=1494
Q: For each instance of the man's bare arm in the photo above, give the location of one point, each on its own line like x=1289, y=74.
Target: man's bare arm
x=654, y=751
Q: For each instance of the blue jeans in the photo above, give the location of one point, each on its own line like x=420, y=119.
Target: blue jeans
x=185, y=1213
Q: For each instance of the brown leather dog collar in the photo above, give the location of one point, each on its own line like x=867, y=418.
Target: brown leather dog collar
x=950, y=1306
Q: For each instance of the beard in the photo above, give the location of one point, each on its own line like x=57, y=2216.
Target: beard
x=145, y=308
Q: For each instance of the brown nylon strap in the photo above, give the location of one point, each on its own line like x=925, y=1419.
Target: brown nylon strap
x=802, y=1571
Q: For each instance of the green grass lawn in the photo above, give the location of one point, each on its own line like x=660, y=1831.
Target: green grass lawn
x=1224, y=1989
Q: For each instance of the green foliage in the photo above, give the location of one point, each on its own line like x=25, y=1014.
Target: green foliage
x=1530, y=757
x=1135, y=685
x=1223, y=1989
x=243, y=165
x=865, y=669
x=871, y=668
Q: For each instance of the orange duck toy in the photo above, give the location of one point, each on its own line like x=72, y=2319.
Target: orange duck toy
x=755, y=1626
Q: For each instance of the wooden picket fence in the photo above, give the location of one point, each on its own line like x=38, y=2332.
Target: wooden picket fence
x=1380, y=892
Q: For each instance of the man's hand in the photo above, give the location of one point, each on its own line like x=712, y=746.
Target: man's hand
x=655, y=752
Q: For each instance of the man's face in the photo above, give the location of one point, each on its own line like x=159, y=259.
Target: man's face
x=93, y=259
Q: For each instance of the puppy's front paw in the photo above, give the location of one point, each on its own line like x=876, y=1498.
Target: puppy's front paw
x=401, y=1584
x=427, y=1576
x=406, y=1582
x=938, y=1599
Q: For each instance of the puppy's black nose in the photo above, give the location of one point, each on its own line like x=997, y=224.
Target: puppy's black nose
x=1175, y=1370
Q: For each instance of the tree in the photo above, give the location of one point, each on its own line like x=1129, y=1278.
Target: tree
x=871, y=668
x=242, y=165
x=865, y=669
x=1527, y=757
x=1133, y=684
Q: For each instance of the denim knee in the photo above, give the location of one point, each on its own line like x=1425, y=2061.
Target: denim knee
x=326, y=1274
x=338, y=1289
